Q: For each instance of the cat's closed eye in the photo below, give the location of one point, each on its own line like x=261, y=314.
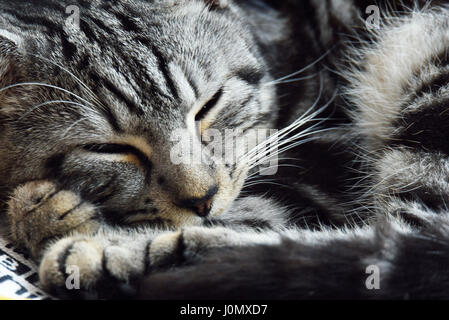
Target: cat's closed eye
x=209, y=106
x=112, y=148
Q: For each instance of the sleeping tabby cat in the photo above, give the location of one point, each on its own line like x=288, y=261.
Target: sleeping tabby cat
x=88, y=111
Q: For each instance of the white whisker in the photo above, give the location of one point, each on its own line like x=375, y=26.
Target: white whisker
x=306, y=117
x=72, y=126
x=303, y=69
x=254, y=158
x=48, y=86
x=47, y=103
x=91, y=93
x=296, y=79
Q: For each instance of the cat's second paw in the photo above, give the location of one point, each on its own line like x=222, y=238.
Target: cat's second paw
x=39, y=212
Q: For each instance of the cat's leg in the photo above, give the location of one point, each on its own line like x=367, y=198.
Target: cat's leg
x=385, y=260
x=112, y=262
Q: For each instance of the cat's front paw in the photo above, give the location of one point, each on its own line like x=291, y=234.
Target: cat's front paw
x=39, y=212
x=102, y=267
x=89, y=268
x=111, y=265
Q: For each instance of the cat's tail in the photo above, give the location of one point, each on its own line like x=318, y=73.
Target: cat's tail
x=386, y=261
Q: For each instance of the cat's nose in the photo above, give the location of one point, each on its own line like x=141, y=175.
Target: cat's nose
x=203, y=209
x=201, y=206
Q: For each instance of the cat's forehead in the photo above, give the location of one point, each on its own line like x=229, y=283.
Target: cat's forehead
x=141, y=59
x=145, y=48
x=164, y=58
x=183, y=33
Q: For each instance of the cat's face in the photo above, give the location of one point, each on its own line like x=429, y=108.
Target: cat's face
x=141, y=83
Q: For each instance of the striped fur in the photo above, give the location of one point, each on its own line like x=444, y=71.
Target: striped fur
x=90, y=182
x=396, y=97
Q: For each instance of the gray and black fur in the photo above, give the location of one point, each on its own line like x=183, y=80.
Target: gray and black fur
x=86, y=116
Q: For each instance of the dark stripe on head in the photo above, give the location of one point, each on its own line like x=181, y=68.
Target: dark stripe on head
x=252, y=76
x=52, y=27
x=102, y=26
x=132, y=107
x=90, y=34
x=232, y=113
x=163, y=67
x=83, y=63
x=246, y=101
x=112, y=119
x=127, y=23
x=106, y=110
x=232, y=171
x=68, y=49
x=155, y=92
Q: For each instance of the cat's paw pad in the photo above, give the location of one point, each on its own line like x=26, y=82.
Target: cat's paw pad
x=38, y=211
x=88, y=268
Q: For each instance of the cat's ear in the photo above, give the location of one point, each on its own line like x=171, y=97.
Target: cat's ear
x=217, y=3
x=10, y=70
